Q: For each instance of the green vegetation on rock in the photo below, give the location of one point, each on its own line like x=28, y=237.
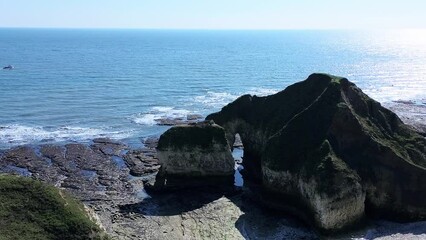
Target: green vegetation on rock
x=33, y=210
x=201, y=135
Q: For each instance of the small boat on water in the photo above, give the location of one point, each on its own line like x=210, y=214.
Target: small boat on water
x=9, y=67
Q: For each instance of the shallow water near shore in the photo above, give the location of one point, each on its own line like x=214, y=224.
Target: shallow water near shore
x=76, y=85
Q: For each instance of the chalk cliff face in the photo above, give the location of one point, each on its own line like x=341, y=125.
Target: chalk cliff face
x=332, y=150
x=195, y=151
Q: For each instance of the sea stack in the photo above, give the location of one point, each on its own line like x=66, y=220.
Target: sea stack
x=195, y=155
x=326, y=149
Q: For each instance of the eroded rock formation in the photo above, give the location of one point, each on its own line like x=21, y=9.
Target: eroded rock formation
x=325, y=147
x=197, y=151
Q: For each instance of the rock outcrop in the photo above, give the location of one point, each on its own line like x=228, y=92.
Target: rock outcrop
x=327, y=149
x=197, y=151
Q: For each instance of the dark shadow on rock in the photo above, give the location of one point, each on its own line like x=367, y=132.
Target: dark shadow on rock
x=173, y=202
x=260, y=222
x=256, y=221
x=251, y=226
x=385, y=228
x=379, y=228
x=174, y=183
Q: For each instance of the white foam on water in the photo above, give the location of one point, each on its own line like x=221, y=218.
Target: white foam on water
x=216, y=99
x=156, y=113
x=145, y=119
x=15, y=134
x=262, y=91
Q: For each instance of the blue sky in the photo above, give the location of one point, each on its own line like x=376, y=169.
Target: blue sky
x=214, y=14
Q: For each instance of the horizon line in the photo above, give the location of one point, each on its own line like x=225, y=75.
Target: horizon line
x=212, y=29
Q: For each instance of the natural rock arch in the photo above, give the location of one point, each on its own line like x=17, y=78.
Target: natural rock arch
x=330, y=149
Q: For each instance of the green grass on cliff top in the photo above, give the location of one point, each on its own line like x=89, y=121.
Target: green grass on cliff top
x=204, y=137
x=30, y=209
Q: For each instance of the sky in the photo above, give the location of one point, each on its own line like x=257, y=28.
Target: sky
x=214, y=14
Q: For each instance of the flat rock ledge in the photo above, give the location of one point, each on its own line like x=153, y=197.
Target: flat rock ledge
x=189, y=119
x=96, y=174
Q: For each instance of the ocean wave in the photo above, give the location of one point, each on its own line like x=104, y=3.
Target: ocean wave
x=16, y=134
x=219, y=99
x=216, y=99
x=261, y=92
x=155, y=114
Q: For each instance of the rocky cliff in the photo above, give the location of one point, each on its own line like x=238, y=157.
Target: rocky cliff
x=196, y=154
x=330, y=150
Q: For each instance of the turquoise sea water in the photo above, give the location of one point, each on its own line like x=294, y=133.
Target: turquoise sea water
x=75, y=85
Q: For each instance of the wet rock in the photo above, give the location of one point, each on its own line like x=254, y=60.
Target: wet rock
x=331, y=151
x=151, y=142
x=170, y=121
x=107, y=141
x=190, y=118
x=87, y=171
x=140, y=163
x=26, y=159
x=193, y=117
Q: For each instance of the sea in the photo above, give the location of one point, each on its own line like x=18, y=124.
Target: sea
x=72, y=85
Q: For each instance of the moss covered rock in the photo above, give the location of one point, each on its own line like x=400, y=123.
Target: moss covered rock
x=337, y=152
x=30, y=209
x=196, y=154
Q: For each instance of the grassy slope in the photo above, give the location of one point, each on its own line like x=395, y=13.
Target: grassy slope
x=30, y=209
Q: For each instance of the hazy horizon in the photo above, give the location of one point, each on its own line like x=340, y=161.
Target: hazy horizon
x=221, y=29
x=214, y=15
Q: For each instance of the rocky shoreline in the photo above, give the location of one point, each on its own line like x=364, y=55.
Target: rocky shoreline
x=110, y=179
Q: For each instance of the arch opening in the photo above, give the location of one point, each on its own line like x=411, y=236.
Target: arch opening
x=238, y=153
